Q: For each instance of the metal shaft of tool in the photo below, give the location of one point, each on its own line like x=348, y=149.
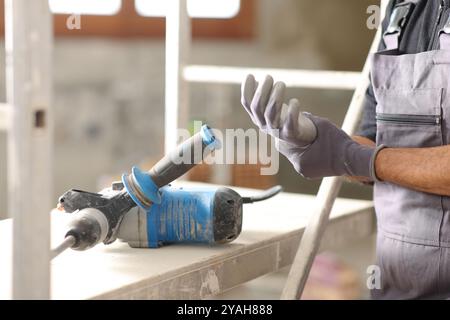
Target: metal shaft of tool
x=68, y=242
x=328, y=192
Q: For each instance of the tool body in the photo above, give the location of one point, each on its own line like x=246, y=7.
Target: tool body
x=98, y=216
x=208, y=215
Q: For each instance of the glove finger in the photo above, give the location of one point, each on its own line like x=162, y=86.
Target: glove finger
x=289, y=130
x=248, y=89
x=307, y=128
x=272, y=114
x=260, y=100
x=283, y=114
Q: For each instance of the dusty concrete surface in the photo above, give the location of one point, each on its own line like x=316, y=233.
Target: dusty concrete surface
x=183, y=271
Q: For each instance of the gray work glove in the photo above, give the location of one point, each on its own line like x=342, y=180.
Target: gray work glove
x=315, y=146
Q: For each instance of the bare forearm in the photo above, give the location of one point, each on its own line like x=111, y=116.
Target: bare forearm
x=421, y=169
x=424, y=169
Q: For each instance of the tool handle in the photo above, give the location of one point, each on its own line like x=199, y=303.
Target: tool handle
x=186, y=156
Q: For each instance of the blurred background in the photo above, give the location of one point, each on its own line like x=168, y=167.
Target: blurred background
x=109, y=82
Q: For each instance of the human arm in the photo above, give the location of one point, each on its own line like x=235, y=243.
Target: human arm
x=421, y=169
x=324, y=150
x=333, y=153
x=315, y=146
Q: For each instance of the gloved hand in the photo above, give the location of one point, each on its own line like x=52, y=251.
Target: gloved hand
x=315, y=146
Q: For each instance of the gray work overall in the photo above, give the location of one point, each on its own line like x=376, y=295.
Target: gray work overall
x=413, y=111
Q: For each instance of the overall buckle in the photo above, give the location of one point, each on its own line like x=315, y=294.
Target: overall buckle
x=444, y=36
x=446, y=28
x=398, y=19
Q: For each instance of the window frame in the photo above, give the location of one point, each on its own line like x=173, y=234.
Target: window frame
x=195, y=15
x=127, y=23
x=116, y=10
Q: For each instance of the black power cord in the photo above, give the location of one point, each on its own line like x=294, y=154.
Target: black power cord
x=267, y=194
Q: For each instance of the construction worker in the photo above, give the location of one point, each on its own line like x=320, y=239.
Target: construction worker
x=402, y=146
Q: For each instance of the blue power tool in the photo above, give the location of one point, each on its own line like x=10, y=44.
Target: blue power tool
x=209, y=215
x=97, y=217
x=146, y=212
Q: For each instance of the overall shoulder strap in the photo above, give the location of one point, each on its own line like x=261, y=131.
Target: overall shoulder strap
x=397, y=23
